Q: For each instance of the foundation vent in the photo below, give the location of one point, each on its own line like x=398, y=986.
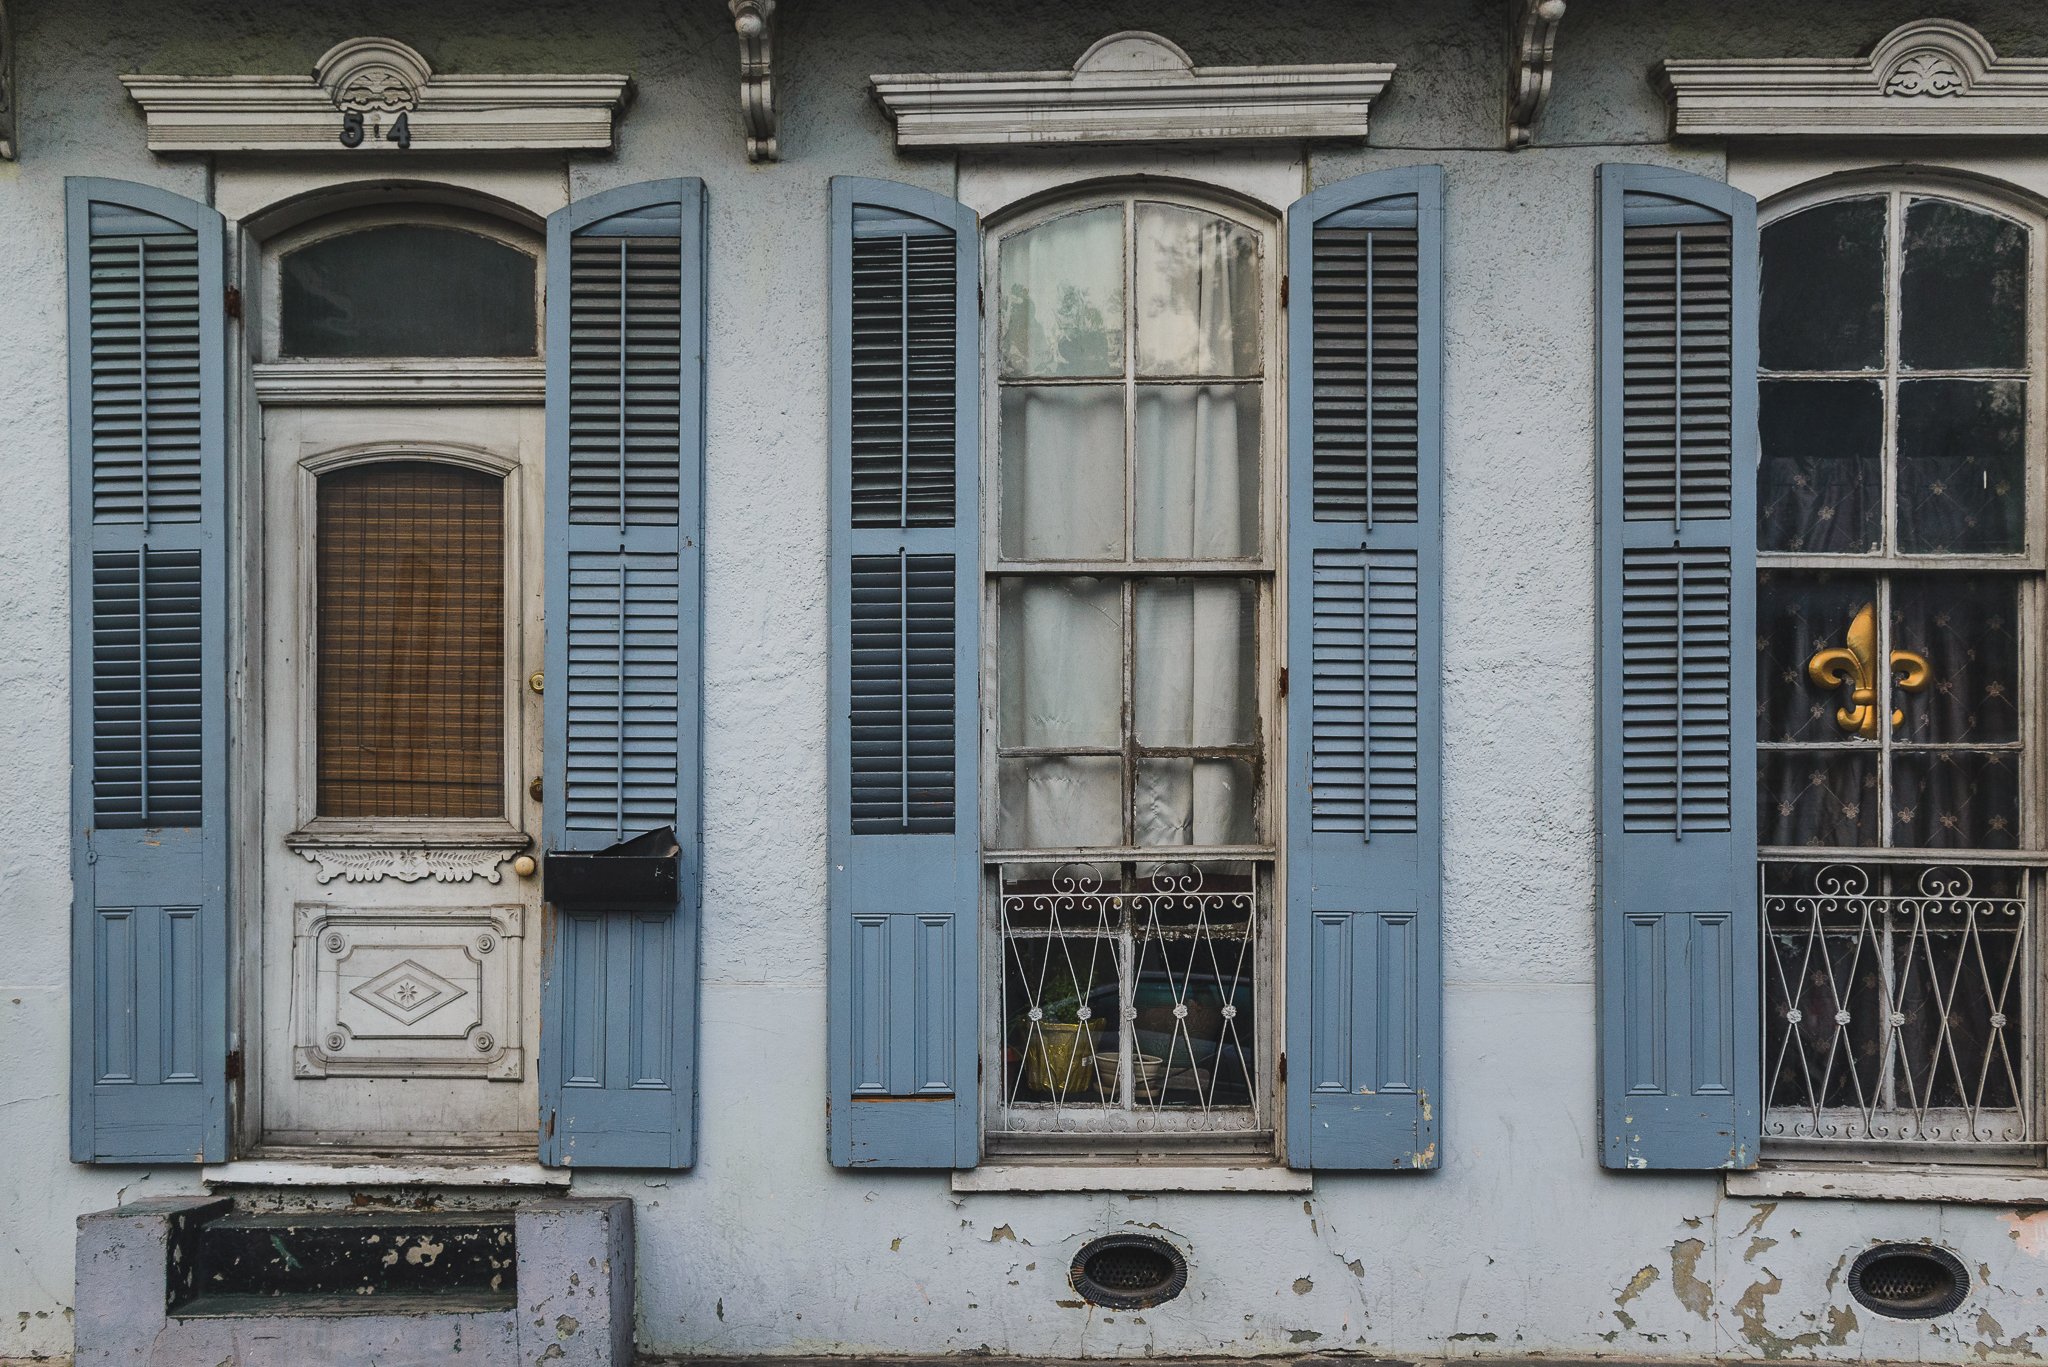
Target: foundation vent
x=1908, y=1281
x=1128, y=1271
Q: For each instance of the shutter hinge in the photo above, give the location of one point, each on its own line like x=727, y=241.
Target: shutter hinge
x=233, y=1071
x=1283, y=681
x=233, y=302
x=1283, y=1067
x=1283, y=291
x=981, y=300
x=92, y=856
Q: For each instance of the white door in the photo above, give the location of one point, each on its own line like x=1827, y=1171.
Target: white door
x=399, y=941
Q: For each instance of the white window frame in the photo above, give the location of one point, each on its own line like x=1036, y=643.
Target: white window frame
x=1096, y=1135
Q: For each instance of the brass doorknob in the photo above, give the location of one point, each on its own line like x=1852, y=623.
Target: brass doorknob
x=533, y=790
x=536, y=680
x=525, y=866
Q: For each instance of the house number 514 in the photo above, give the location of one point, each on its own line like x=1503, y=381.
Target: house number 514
x=352, y=131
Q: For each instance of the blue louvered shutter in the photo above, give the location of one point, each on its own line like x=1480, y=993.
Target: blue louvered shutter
x=1679, y=1029
x=622, y=703
x=904, y=876
x=149, y=676
x=1364, y=664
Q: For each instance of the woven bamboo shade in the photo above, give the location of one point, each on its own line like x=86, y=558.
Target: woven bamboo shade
x=411, y=641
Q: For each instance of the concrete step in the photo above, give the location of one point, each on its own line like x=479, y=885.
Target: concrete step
x=356, y=1256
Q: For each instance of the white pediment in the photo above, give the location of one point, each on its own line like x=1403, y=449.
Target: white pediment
x=1131, y=87
x=1933, y=76
x=376, y=80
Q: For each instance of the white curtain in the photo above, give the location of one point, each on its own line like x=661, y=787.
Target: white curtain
x=1198, y=471
x=1062, y=287
x=1195, y=684
x=1063, y=473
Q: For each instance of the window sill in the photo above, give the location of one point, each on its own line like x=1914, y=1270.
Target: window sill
x=1052, y=1177
x=274, y=1172
x=1894, y=1182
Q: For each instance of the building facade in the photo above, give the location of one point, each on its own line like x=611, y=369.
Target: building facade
x=916, y=636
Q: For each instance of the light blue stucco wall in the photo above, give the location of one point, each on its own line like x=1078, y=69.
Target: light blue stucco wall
x=1521, y=1242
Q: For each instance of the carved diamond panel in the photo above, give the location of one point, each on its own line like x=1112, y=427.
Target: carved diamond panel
x=407, y=992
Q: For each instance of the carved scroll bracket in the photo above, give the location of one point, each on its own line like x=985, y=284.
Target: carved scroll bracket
x=754, y=21
x=365, y=856
x=1529, y=66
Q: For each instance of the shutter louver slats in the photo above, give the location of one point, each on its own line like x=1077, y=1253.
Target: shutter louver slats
x=902, y=718
x=623, y=699
x=903, y=380
x=904, y=875
x=1679, y=1046
x=1365, y=700
x=149, y=675
x=1364, y=985
x=145, y=378
x=147, y=682
x=1365, y=374
x=1675, y=370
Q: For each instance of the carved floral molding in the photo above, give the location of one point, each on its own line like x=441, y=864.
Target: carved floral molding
x=1132, y=87
x=354, y=102
x=1933, y=76
x=358, y=856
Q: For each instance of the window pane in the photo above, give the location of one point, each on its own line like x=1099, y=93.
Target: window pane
x=408, y=290
x=1197, y=662
x=411, y=614
x=1059, y=802
x=1060, y=994
x=1962, y=631
x=1956, y=799
x=1198, y=471
x=1821, y=485
x=1195, y=802
x=1062, y=644
x=1198, y=293
x=1962, y=289
x=1063, y=296
x=1962, y=480
x=1817, y=797
x=1800, y=615
x=1823, y=288
x=1062, y=456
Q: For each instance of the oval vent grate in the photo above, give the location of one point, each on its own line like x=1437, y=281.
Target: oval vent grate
x=1128, y=1271
x=1908, y=1281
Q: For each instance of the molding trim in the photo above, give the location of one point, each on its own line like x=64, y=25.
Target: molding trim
x=1131, y=87
x=10, y=147
x=1879, y=1182
x=455, y=1170
x=1529, y=66
x=754, y=21
x=1932, y=76
x=410, y=382
x=379, y=79
x=367, y=855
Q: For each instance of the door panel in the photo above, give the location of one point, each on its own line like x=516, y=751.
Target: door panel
x=399, y=954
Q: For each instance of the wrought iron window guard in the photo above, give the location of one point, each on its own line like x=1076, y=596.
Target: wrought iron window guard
x=1131, y=990
x=1898, y=1003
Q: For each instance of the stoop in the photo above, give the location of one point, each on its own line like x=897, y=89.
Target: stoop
x=181, y=1281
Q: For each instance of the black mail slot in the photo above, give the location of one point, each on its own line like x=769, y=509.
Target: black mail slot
x=637, y=874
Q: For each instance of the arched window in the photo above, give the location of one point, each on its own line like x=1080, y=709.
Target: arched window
x=1899, y=612
x=406, y=289
x=1129, y=610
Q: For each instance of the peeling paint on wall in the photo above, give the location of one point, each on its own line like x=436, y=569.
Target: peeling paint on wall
x=1694, y=1294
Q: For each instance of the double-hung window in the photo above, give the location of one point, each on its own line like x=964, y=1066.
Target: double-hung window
x=1130, y=668
x=1899, y=636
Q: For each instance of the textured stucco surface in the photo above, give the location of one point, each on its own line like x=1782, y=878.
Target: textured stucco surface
x=1521, y=1243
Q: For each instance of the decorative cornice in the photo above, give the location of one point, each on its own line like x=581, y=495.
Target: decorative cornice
x=409, y=382
x=378, y=81
x=366, y=855
x=1529, y=66
x=754, y=21
x=1131, y=87
x=1933, y=76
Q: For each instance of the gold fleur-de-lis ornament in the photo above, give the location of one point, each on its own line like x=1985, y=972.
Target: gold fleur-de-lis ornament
x=1856, y=666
